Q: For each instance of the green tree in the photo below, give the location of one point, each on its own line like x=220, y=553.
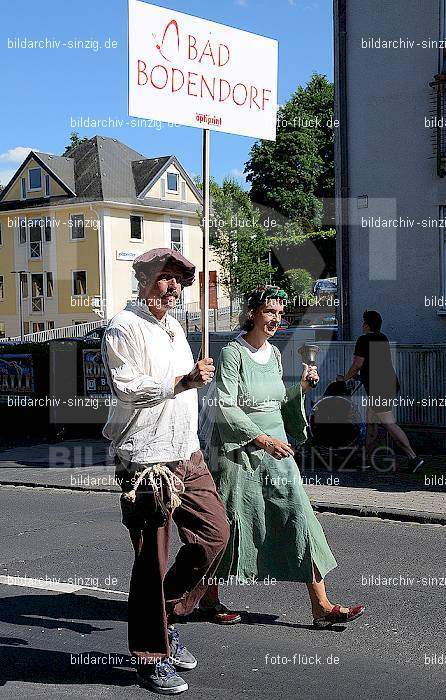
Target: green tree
x=239, y=240
x=314, y=250
x=298, y=283
x=294, y=173
x=75, y=140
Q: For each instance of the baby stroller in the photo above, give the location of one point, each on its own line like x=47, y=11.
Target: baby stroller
x=337, y=429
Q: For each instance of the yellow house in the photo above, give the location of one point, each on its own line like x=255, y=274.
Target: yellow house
x=70, y=227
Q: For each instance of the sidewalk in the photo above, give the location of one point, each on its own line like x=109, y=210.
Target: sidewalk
x=84, y=465
x=394, y=496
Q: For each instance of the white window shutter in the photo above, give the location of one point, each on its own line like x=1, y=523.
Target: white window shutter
x=163, y=188
x=183, y=190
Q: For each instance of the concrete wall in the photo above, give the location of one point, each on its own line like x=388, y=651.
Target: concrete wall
x=391, y=159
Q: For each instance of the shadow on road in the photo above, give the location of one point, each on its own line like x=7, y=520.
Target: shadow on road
x=20, y=664
x=63, y=611
x=252, y=618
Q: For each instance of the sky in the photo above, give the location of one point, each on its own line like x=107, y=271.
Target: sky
x=47, y=90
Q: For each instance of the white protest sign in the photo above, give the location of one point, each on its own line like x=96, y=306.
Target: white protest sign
x=190, y=71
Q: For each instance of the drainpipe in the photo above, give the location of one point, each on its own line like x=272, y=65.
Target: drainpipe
x=341, y=169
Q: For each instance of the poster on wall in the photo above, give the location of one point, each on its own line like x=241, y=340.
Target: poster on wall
x=95, y=379
x=16, y=376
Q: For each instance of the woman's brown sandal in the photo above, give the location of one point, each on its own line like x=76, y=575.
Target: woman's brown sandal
x=220, y=614
x=335, y=616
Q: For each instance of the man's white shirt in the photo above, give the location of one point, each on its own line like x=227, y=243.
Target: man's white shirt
x=149, y=423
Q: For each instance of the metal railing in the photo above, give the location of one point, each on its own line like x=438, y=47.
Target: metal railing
x=190, y=311
x=37, y=304
x=75, y=331
x=421, y=371
x=35, y=249
x=193, y=310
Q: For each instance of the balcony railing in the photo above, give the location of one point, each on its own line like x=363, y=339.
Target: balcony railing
x=35, y=249
x=37, y=305
x=438, y=121
x=55, y=333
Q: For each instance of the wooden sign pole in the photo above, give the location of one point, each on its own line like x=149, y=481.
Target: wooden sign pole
x=206, y=211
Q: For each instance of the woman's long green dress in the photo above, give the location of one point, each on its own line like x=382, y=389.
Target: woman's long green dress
x=274, y=530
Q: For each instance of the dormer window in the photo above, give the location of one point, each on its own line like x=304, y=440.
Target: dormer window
x=172, y=182
x=35, y=179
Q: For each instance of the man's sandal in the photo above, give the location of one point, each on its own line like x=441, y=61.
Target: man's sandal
x=335, y=616
x=220, y=615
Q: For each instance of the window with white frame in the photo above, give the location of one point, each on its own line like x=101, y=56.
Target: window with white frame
x=79, y=287
x=35, y=238
x=50, y=325
x=25, y=327
x=35, y=179
x=136, y=227
x=49, y=284
x=47, y=229
x=172, y=182
x=77, y=226
x=37, y=298
x=24, y=281
x=22, y=231
x=176, y=235
x=2, y=288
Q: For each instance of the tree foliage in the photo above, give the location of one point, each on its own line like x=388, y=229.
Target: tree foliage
x=294, y=173
x=238, y=238
x=75, y=140
x=315, y=250
x=298, y=282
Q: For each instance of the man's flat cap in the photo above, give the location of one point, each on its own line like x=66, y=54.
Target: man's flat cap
x=157, y=259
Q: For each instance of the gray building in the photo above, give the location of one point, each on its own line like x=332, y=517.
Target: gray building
x=390, y=151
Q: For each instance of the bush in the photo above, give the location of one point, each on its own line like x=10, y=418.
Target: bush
x=298, y=283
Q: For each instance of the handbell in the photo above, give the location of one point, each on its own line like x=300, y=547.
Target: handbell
x=308, y=354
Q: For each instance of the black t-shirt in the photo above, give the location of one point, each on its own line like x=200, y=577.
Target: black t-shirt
x=377, y=373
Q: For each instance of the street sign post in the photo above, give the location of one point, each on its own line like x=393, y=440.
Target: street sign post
x=190, y=71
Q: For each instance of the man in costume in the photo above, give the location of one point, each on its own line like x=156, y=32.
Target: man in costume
x=153, y=434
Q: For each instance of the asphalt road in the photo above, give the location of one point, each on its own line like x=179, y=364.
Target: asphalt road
x=51, y=639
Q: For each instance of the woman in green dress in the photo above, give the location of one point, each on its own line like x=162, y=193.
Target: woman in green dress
x=274, y=531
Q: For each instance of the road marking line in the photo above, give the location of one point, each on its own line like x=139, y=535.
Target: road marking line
x=104, y=590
